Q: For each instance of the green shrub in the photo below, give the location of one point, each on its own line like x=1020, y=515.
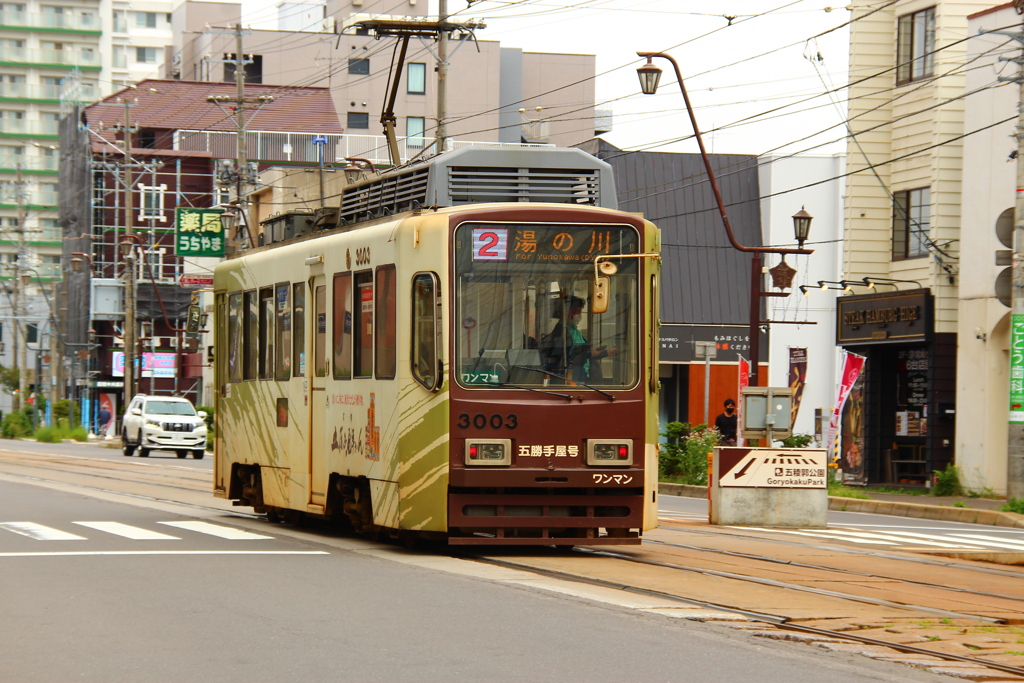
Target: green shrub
x=798, y=441
x=1014, y=505
x=947, y=482
x=79, y=434
x=684, y=457
x=840, y=490
x=15, y=426
x=47, y=435
x=62, y=409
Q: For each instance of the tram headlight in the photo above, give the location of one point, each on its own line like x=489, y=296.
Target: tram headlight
x=488, y=452
x=610, y=452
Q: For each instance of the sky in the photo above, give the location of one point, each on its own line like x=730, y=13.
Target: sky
x=758, y=85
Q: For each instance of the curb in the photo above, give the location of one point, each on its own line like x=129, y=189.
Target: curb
x=884, y=507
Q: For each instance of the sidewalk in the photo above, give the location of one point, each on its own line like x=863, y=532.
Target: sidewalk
x=969, y=510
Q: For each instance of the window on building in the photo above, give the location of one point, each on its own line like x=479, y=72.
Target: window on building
x=145, y=20
x=145, y=55
x=146, y=139
x=120, y=57
x=12, y=43
x=87, y=19
x=362, y=325
x=915, y=45
x=120, y=23
x=31, y=333
x=49, y=229
x=385, y=356
x=911, y=223
x=414, y=126
x=342, y=326
x=359, y=67
x=152, y=205
x=416, y=78
x=358, y=119
x=53, y=17
x=283, y=314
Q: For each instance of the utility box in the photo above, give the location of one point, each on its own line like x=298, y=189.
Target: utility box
x=767, y=413
x=770, y=487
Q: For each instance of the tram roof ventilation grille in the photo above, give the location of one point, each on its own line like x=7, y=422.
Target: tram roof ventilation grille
x=474, y=184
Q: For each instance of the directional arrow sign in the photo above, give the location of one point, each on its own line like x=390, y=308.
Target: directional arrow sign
x=772, y=467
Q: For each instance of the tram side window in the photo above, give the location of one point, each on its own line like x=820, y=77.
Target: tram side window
x=320, y=338
x=266, y=333
x=299, y=328
x=342, y=350
x=283, y=315
x=234, y=349
x=363, y=325
x=252, y=329
x=386, y=356
x=424, y=330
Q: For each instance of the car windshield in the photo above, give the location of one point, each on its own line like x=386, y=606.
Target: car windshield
x=523, y=297
x=169, y=408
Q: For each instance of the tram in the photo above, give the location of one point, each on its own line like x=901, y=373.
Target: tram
x=468, y=353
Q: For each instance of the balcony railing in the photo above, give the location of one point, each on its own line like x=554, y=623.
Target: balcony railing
x=270, y=146
x=70, y=57
x=27, y=127
x=87, y=93
x=68, y=20
x=29, y=163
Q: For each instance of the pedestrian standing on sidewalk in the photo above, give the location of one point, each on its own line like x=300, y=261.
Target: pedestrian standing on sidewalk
x=725, y=423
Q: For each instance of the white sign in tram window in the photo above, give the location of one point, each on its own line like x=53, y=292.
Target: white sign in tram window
x=490, y=244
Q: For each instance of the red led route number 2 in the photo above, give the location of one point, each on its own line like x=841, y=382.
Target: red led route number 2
x=490, y=244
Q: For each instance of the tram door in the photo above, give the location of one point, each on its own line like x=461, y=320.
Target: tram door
x=319, y=400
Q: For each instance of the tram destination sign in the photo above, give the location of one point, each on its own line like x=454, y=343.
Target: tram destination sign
x=527, y=244
x=782, y=468
x=199, y=232
x=889, y=318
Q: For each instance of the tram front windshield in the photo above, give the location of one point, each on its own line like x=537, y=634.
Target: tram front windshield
x=523, y=306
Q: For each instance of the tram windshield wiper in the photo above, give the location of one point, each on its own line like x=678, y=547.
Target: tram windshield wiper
x=567, y=397
x=611, y=397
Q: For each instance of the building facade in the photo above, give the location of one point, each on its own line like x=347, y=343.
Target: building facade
x=903, y=225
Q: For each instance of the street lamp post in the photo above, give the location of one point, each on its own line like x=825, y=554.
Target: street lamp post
x=650, y=75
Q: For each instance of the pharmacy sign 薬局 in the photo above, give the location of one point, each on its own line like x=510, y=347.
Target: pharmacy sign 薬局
x=199, y=232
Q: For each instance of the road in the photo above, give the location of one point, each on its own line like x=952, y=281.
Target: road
x=103, y=584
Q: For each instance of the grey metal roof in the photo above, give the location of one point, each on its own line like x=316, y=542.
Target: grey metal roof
x=704, y=279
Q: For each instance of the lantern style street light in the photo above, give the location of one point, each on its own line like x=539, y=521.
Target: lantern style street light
x=650, y=75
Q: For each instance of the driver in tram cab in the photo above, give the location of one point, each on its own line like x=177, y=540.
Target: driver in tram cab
x=566, y=347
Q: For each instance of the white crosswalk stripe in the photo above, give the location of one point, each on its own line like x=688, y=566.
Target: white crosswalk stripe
x=893, y=537
x=127, y=531
x=227, y=532
x=39, y=532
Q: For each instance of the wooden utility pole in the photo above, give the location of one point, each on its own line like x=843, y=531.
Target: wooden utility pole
x=129, y=260
x=442, y=76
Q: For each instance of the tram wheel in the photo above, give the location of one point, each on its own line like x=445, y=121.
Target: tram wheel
x=272, y=516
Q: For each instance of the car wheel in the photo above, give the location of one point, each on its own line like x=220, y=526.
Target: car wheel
x=143, y=452
x=198, y=455
x=181, y=454
x=126, y=448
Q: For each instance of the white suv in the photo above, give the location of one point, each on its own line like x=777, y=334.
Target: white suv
x=163, y=423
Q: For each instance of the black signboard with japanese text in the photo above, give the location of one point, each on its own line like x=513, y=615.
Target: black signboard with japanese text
x=890, y=318
x=678, y=343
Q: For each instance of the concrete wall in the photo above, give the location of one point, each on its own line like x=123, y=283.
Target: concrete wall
x=778, y=175
x=988, y=189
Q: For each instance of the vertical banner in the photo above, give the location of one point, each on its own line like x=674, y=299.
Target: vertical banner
x=744, y=381
x=852, y=435
x=797, y=379
x=108, y=401
x=852, y=365
x=1017, y=368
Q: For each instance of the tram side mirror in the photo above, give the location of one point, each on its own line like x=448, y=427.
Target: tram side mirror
x=194, y=318
x=602, y=286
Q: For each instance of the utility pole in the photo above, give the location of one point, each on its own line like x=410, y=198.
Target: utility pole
x=129, y=260
x=1015, y=435
x=242, y=177
x=442, y=76
x=20, y=338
